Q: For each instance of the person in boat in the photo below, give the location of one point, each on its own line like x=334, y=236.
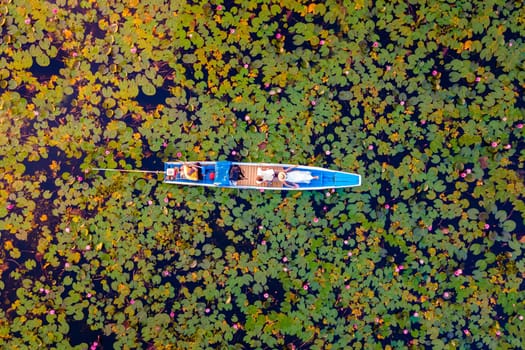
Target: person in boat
x=236, y=174
x=264, y=176
x=293, y=178
x=192, y=171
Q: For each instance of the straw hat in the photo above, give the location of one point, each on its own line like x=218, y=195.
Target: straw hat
x=282, y=176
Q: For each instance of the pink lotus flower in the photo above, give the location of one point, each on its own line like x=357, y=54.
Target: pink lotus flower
x=305, y=286
x=321, y=42
x=88, y=248
x=285, y=259
x=519, y=126
x=402, y=103
x=388, y=68
x=387, y=206
x=446, y=295
x=327, y=152
x=51, y=312
x=467, y=332
x=219, y=7
x=246, y=65
x=172, y=314
x=133, y=50
x=166, y=199
x=232, y=30
x=458, y=272
x=247, y=118
x=494, y=144
x=278, y=36
x=55, y=11
x=434, y=73
x=10, y=206
x=234, y=152
x=347, y=286
x=179, y=154
x=370, y=147
x=235, y=326
x=132, y=301
x=416, y=314
x=150, y=202
x=498, y=333
x=405, y=331
x=27, y=21
x=313, y=103
x=478, y=79
x=508, y=146
x=263, y=242
x=463, y=174
x=375, y=44
x=266, y=295
x=486, y=226
x=88, y=295
x=316, y=220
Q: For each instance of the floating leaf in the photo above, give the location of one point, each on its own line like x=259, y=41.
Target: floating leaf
x=42, y=60
x=509, y=226
x=148, y=89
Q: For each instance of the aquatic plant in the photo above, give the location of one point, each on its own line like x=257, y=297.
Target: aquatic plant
x=424, y=100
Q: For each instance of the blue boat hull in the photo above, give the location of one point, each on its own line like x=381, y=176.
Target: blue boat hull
x=217, y=174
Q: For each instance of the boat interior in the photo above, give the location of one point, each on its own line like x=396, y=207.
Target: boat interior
x=250, y=173
x=209, y=174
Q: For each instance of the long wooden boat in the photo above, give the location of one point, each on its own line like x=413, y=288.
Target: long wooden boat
x=228, y=174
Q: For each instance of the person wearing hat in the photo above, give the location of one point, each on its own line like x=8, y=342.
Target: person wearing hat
x=293, y=178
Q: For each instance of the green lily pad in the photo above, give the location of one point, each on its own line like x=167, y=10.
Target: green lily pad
x=148, y=89
x=42, y=60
